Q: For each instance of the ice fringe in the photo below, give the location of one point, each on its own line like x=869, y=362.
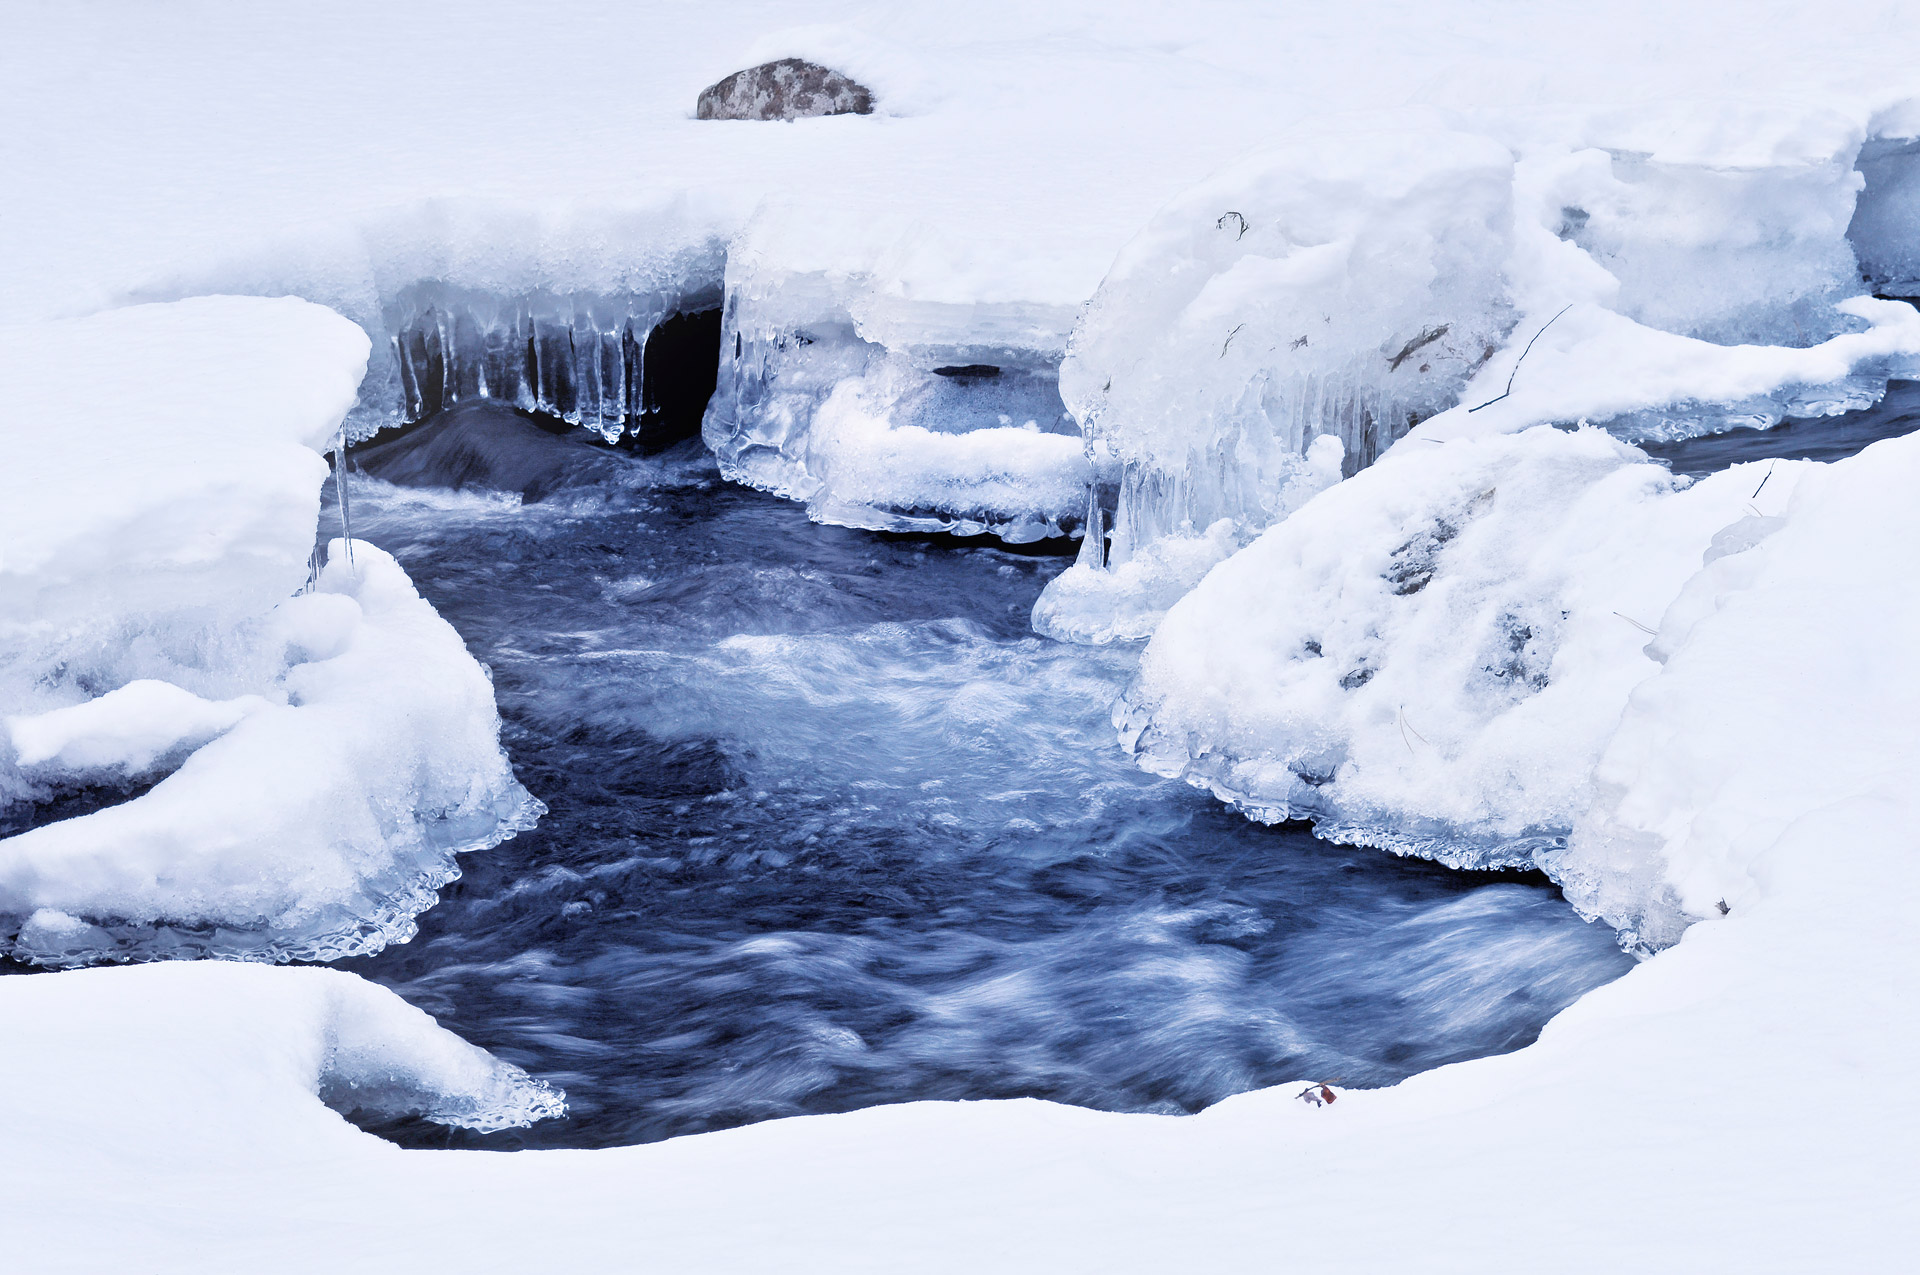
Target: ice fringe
x=893, y=415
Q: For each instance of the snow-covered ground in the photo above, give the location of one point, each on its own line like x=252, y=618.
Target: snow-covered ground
x=1222, y=238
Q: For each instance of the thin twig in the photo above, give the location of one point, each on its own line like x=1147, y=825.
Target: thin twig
x=1636, y=624
x=1523, y=358
x=1222, y=223
x=1763, y=481
x=1229, y=341
x=1415, y=729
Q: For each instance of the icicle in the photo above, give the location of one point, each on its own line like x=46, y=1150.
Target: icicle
x=1093, y=539
x=340, y=491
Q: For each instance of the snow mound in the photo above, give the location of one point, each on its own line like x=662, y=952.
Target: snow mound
x=317, y=827
x=1785, y=690
x=1432, y=656
x=126, y=731
x=335, y=744
x=1344, y=286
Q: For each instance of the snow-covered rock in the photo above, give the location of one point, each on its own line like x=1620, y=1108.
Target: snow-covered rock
x=786, y=89
x=1792, y=626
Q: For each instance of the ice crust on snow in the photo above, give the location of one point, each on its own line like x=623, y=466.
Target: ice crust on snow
x=331, y=743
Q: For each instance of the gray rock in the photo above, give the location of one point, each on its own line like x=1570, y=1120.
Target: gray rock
x=482, y=443
x=789, y=89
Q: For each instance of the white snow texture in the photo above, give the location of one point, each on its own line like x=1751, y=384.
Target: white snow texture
x=1343, y=319
x=321, y=754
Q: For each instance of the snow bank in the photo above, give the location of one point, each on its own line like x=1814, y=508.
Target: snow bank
x=1431, y=656
x=521, y=251
x=1486, y=652
x=1795, y=623
x=237, y=1060
x=163, y=460
x=1742, y=1100
x=892, y=413
x=335, y=744
x=1662, y=270
x=318, y=826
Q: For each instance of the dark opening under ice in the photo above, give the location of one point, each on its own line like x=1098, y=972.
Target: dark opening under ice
x=830, y=827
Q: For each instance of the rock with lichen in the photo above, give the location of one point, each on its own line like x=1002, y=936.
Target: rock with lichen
x=788, y=89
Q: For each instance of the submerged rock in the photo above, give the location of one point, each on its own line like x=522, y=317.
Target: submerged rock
x=487, y=444
x=788, y=89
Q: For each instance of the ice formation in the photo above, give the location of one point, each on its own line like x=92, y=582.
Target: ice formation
x=331, y=745
x=890, y=413
x=580, y=357
x=1675, y=283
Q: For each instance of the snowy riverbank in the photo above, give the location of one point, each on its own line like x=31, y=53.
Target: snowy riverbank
x=1436, y=188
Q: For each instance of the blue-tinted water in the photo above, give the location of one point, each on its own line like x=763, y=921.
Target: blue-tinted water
x=1826, y=438
x=829, y=827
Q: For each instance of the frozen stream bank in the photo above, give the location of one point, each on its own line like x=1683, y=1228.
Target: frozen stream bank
x=829, y=827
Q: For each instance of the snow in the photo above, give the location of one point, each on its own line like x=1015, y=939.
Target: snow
x=126, y=730
x=1793, y=623
x=1742, y=1100
x=1661, y=279
x=214, y=1048
x=330, y=747
x=1431, y=656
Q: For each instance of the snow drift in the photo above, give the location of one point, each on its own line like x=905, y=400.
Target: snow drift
x=221, y=1053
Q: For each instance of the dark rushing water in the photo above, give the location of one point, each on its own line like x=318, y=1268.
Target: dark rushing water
x=830, y=827
x=1824, y=438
